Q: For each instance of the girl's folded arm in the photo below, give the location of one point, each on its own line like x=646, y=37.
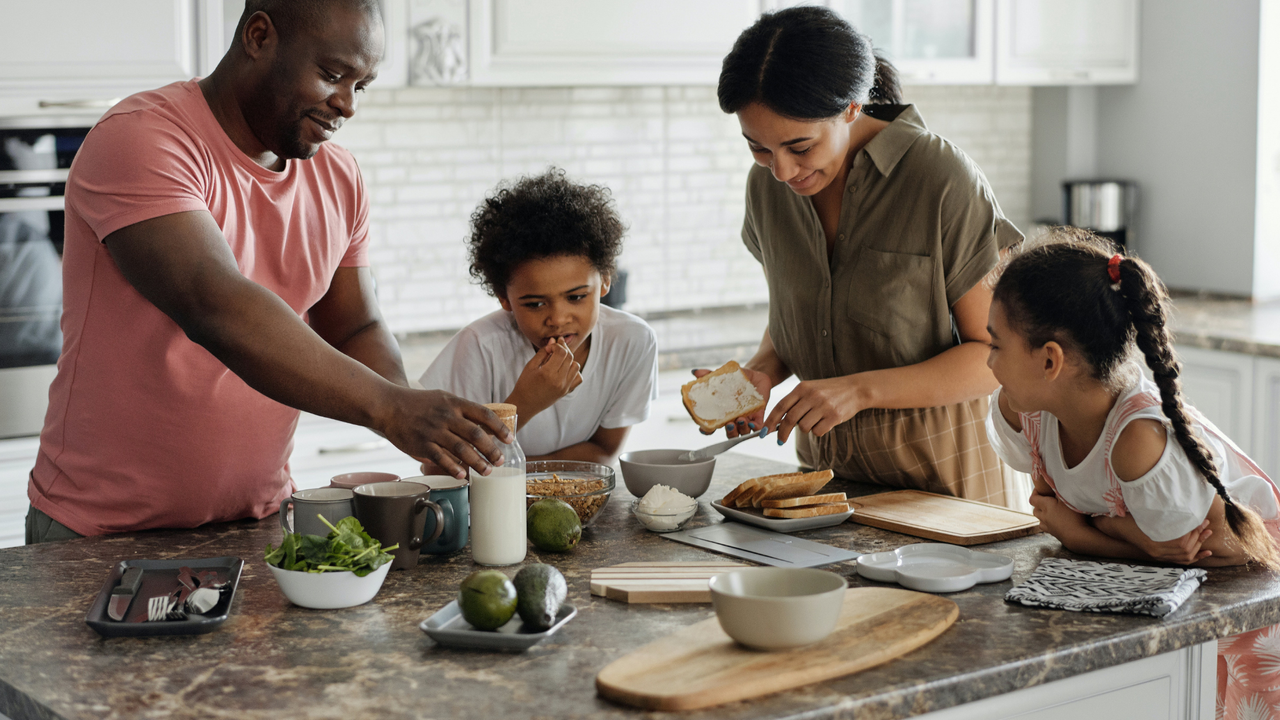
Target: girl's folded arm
x=1137, y=451
x=1085, y=539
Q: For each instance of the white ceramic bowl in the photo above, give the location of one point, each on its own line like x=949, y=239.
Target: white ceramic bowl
x=661, y=522
x=642, y=469
x=329, y=590
x=778, y=608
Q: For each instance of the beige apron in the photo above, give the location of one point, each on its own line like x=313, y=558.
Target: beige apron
x=940, y=450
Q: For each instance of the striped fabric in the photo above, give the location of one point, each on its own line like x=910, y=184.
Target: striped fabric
x=941, y=450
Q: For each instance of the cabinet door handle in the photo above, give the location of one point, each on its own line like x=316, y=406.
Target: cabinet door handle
x=79, y=104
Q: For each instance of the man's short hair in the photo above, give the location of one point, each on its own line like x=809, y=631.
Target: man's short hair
x=294, y=17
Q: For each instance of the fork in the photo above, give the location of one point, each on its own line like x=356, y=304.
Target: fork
x=158, y=608
x=165, y=607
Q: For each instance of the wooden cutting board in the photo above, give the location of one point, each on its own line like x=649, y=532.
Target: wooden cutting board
x=942, y=518
x=700, y=666
x=658, y=582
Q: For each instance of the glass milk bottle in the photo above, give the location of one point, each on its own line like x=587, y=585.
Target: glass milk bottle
x=498, y=502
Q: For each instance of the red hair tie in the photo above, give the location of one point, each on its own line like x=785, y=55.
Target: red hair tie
x=1113, y=267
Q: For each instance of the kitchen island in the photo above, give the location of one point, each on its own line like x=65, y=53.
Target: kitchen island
x=272, y=659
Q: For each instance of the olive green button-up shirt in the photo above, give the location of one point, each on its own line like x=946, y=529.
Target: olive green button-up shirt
x=919, y=227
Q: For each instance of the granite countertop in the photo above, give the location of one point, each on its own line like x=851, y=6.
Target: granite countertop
x=1233, y=325
x=273, y=659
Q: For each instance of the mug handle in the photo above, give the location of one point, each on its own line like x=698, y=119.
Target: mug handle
x=421, y=503
x=284, y=518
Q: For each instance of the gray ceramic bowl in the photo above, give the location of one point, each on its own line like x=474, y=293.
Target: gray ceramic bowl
x=642, y=469
x=778, y=608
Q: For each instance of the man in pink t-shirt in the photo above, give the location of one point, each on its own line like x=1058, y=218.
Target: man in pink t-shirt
x=216, y=281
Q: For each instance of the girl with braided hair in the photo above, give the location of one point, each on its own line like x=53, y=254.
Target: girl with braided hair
x=1122, y=466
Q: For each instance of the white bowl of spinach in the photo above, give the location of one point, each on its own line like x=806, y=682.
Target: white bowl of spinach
x=343, y=569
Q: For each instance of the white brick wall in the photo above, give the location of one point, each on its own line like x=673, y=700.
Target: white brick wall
x=675, y=163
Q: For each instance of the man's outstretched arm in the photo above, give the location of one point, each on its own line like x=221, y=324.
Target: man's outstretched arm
x=182, y=264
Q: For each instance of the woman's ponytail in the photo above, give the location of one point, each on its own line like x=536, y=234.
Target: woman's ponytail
x=1147, y=303
x=886, y=89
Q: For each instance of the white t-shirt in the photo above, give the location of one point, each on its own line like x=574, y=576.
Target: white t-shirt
x=1167, y=502
x=483, y=361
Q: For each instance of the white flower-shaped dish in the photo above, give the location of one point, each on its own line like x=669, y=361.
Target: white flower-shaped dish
x=935, y=567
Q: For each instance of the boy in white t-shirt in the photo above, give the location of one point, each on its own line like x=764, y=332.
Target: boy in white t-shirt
x=580, y=374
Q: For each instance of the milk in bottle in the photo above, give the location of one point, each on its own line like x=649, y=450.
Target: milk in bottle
x=498, y=502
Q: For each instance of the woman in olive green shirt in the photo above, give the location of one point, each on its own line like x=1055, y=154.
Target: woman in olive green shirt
x=875, y=236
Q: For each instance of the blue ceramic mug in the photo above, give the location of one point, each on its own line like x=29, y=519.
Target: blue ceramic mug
x=452, y=495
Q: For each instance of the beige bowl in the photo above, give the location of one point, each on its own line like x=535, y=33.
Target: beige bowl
x=642, y=469
x=778, y=608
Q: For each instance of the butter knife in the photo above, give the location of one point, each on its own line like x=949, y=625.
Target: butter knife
x=122, y=594
x=713, y=450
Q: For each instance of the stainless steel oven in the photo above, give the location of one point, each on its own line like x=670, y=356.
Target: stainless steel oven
x=35, y=155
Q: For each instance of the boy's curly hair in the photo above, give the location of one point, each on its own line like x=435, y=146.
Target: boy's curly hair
x=540, y=217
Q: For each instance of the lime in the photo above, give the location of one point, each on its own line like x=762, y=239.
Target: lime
x=553, y=525
x=541, y=589
x=487, y=599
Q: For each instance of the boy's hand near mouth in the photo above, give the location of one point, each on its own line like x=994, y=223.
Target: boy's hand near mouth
x=551, y=374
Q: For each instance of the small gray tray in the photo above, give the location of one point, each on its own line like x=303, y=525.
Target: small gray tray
x=448, y=628
x=159, y=577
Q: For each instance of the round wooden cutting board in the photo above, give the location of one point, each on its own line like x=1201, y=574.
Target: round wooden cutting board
x=700, y=666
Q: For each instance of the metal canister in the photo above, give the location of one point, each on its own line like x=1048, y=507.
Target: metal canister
x=1104, y=206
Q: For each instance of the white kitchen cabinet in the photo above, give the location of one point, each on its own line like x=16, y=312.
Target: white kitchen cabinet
x=1221, y=385
x=1066, y=42
x=930, y=42
x=588, y=42
x=1266, y=415
x=323, y=448
x=1179, y=684
x=17, y=457
x=59, y=56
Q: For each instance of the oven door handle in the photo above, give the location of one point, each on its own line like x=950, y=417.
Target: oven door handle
x=94, y=104
x=18, y=204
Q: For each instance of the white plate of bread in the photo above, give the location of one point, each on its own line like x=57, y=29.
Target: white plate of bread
x=785, y=503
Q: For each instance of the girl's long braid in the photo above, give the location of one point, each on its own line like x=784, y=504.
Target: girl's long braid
x=1147, y=303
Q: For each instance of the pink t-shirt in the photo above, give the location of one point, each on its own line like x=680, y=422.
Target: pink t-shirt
x=145, y=428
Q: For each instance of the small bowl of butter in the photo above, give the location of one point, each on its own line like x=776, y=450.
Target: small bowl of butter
x=664, y=509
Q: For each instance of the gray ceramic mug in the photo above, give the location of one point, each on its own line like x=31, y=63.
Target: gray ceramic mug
x=333, y=503
x=394, y=513
x=453, y=496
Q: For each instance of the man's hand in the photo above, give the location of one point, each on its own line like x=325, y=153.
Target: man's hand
x=446, y=431
x=551, y=374
x=747, y=423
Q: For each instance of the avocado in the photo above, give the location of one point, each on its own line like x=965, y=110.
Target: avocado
x=487, y=599
x=553, y=525
x=540, y=589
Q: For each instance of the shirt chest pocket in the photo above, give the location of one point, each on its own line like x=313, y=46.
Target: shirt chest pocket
x=889, y=291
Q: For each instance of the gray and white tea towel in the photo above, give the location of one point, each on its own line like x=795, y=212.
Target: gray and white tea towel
x=1083, y=586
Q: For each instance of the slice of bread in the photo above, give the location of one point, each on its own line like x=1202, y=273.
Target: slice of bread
x=810, y=511
x=799, y=485
x=804, y=501
x=748, y=489
x=720, y=397
x=746, y=486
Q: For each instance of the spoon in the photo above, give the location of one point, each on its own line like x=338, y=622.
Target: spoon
x=713, y=450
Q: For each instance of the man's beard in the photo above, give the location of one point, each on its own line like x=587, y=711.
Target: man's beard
x=291, y=143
